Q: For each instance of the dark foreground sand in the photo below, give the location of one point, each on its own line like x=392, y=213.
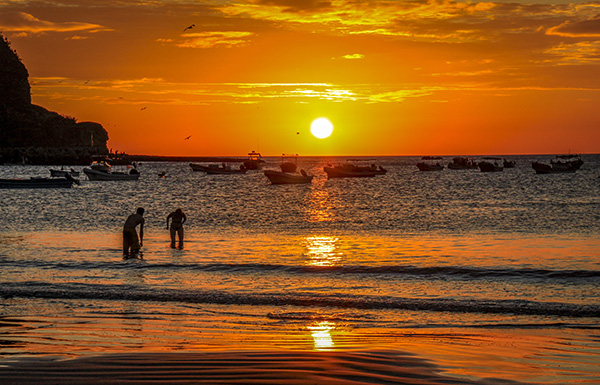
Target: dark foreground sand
x=282, y=367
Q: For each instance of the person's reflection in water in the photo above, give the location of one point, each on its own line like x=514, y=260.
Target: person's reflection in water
x=178, y=218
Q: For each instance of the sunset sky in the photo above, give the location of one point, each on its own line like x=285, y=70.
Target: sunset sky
x=394, y=77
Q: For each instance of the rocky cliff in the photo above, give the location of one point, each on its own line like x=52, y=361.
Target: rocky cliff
x=34, y=134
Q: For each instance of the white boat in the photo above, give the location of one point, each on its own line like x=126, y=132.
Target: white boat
x=95, y=175
x=281, y=177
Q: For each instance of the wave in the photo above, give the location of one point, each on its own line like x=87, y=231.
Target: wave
x=429, y=272
x=308, y=300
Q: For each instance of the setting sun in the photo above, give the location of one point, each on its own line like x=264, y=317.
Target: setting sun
x=321, y=128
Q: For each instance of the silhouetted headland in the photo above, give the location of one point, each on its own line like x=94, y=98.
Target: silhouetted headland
x=32, y=134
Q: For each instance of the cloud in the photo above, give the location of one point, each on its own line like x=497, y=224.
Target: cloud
x=297, y=5
x=353, y=56
x=585, y=28
x=211, y=39
x=585, y=52
x=27, y=23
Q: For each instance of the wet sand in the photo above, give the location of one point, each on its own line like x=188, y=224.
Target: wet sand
x=264, y=367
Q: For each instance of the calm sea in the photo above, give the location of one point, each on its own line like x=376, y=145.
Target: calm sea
x=487, y=274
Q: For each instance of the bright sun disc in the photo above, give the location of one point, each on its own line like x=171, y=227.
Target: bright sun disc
x=321, y=128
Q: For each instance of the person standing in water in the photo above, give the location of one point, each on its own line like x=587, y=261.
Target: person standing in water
x=178, y=218
x=131, y=243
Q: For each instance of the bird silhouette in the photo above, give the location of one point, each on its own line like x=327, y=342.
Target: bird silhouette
x=187, y=137
x=142, y=109
x=190, y=27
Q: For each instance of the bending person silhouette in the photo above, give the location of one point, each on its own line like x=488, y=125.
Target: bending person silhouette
x=178, y=218
x=131, y=243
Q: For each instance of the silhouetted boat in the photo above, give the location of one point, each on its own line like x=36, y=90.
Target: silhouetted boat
x=553, y=168
x=37, y=183
x=254, y=161
x=281, y=177
x=224, y=169
x=430, y=166
x=197, y=167
x=95, y=175
x=508, y=163
x=574, y=161
x=351, y=170
x=63, y=173
x=462, y=163
x=488, y=166
x=289, y=162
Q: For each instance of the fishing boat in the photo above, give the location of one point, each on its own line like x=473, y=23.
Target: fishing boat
x=288, y=174
x=552, y=168
x=254, y=161
x=353, y=170
x=462, y=163
x=98, y=175
x=63, y=173
x=65, y=182
x=489, y=166
x=197, y=167
x=224, y=169
x=289, y=162
x=574, y=161
x=430, y=166
x=281, y=177
x=508, y=163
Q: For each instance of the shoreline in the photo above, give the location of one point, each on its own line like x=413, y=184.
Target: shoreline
x=282, y=367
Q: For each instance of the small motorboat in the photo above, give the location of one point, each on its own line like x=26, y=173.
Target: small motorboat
x=254, y=161
x=224, y=169
x=353, y=170
x=508, y=163
x=462, y=163
x=63, y=173
x=430, y=166
x=281, y=177
x=65, y=182
x=488, y=166
x=552, y=168
x=95, y=175
x=574, y=161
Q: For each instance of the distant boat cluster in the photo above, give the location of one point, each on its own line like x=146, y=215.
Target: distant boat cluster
x=101, y=170
x=561, y=164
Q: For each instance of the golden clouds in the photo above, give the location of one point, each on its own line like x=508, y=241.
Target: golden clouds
x=211, y=39
x=26, y=23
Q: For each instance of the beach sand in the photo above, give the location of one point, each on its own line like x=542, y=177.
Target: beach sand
x=240, y=367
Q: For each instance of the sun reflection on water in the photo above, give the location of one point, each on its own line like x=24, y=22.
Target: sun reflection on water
x=322, y=251
x=321, y=334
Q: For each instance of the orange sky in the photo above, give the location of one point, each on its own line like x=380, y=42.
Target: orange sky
x=394, y=77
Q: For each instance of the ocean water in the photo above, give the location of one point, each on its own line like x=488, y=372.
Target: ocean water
x=486, y=274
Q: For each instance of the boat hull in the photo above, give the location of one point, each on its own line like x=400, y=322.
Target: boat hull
x=541, y=168
x=334, y=172
x=489, y=167
x=95, y=175
x=277, y=177
x=36, y=183
x=429, y=167
x=62, y=173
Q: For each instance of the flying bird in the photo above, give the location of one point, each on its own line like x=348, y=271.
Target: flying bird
x=187, y=137
x=142, y=109
x=190, y=27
